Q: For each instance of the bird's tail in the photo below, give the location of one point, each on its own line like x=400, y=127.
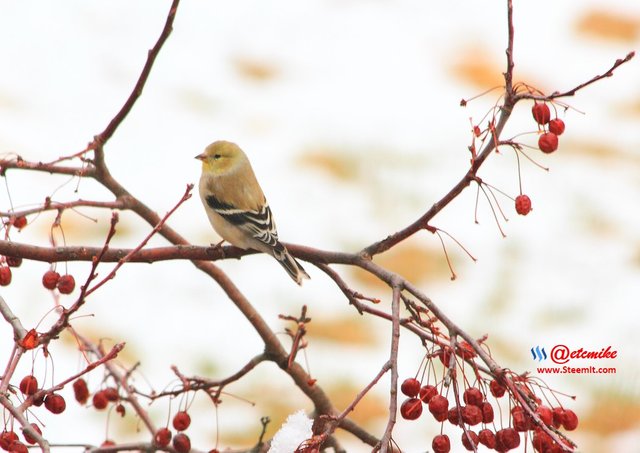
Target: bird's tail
x=290, y=264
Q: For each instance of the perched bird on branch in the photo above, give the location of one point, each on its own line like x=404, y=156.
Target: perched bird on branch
x=237, y=207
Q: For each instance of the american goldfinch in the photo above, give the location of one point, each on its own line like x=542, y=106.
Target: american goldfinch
x=236, y=206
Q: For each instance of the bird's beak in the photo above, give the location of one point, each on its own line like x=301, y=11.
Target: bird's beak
x=201, y=156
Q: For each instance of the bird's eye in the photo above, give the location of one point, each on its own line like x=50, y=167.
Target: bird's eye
x=217, y=156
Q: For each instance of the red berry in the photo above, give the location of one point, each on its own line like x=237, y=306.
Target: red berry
x=469, y=444
x=541, y=113
x=66, y=284
x=453, y=416
x=569, y=420
x=438, y=406
x=541, y=441
x=427, y=392
x=111, y=393
x=121, y=410
x=487, y=438
x=508, y=438
x=496, y=388
x=557, y=416
x=50, y=279
x=487, y=412
x=80, y=390
x=7, y=438
x=181, y=443
x=20, y=222
x=523, y=204
x=108, y=443
x=411, y=409
x=445, y=356
x=5, y=276
x=39, y=401
x=545, y=415
x=14, y=261
x=19, y=447
x=27, y=436
x=472, y=415
x=548, y=142
x=100, y=400
x=556, y=126
x=29, y=385
x=465, y=350
x=55, y=403
x=441, y=444
x=162, y=437
x=410, y=387
x=521, y=420
x=181, y=421
x=473, y=396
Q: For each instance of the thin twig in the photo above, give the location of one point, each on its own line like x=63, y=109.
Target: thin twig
x=122, y=379
x=201, y=383
x=556, y=95
x=145, y=241
x=340, y=419
x=50, y=205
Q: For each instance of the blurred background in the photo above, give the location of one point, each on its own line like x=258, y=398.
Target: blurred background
x=349, y=111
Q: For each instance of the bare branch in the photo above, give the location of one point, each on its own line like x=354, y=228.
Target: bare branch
x=121, y=378
x=556, y=95
x=50, y=205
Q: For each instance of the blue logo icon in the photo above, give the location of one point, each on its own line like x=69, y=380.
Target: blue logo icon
x=538, y=353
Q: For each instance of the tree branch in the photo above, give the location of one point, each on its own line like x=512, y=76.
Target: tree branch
x=619, y=62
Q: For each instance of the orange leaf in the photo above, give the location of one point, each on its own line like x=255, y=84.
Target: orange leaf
x=30, y=340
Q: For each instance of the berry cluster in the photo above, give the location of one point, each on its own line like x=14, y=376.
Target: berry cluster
x=100, y=399
x=8, y=262
x=556, y=417
x=547, y=143
x=5, y=270
x=477, y=411
x=52, y=280
x=53, y=402
x=181, y=441
x=552, y=128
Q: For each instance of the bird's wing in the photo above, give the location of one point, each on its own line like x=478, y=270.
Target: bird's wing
x=258, y=224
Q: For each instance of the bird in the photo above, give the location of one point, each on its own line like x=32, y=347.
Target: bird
x=237, y=207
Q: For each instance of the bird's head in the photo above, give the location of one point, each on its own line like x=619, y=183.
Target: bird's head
x=221, y=157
